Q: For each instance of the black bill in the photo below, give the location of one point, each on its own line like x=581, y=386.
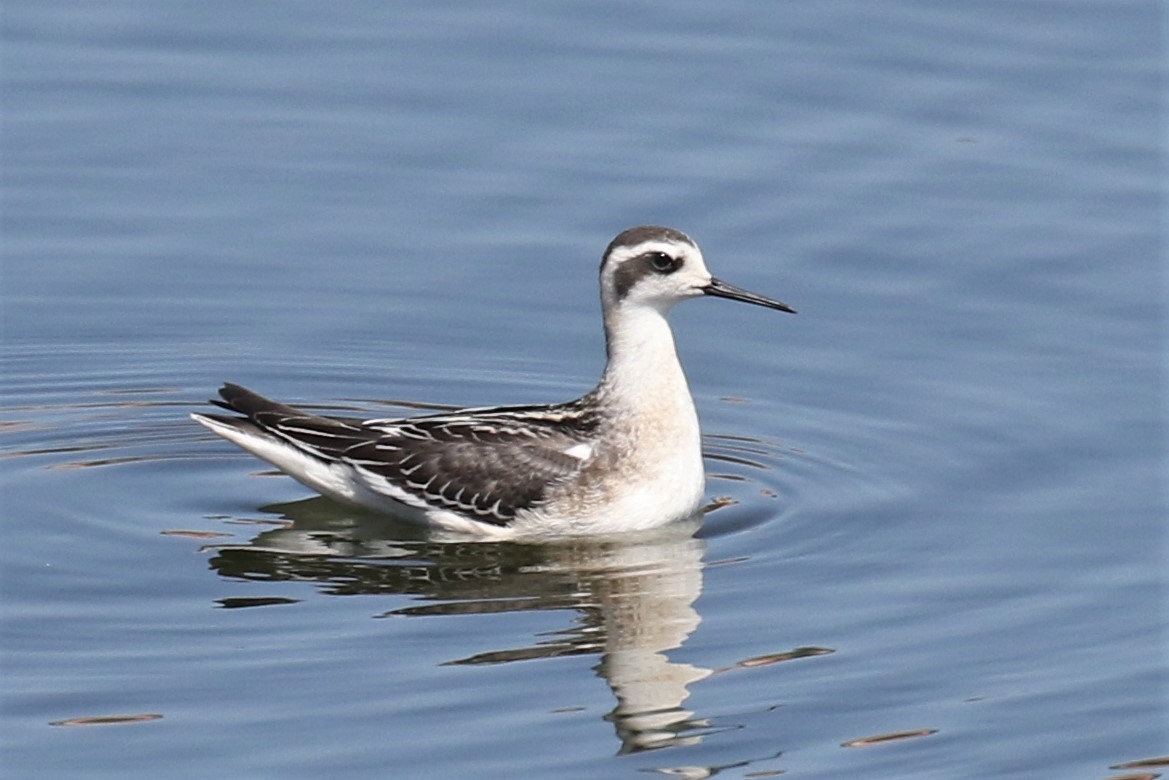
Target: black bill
x=721, y=289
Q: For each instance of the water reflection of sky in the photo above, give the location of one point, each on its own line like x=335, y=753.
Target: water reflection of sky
x=947, y=469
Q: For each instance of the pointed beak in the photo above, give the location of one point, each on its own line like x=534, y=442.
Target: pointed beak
x=721, y=289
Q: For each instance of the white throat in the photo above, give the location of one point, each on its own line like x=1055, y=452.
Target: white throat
x=643, y=374
x=651, y=420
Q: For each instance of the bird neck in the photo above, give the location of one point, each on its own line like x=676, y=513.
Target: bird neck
x=643, y=371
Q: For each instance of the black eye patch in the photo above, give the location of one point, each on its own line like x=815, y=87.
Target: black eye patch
x=662, y=263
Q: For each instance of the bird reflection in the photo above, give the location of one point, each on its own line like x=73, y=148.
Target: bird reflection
x=633, y=597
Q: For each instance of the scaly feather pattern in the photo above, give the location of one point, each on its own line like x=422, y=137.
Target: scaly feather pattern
x=487, y=463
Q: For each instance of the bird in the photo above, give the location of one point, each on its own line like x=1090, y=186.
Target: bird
x=625, y=456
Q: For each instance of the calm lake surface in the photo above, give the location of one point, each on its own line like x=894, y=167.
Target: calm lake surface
x=939, y=550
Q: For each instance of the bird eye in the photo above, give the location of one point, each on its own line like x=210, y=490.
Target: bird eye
x=662, y=263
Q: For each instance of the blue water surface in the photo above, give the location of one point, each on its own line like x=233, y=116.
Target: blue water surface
x=938, y=548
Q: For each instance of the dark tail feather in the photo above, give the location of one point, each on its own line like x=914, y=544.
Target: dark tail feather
x=244, y=401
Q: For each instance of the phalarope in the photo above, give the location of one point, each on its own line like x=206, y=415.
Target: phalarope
x=625, y=456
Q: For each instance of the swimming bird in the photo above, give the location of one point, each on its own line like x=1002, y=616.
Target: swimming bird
x=625, y=456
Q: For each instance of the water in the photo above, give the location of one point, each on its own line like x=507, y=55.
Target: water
x=945, y=522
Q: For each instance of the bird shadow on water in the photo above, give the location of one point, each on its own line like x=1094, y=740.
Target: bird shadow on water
x=633, y=597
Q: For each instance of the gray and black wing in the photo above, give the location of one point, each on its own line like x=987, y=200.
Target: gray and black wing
x=488, y=464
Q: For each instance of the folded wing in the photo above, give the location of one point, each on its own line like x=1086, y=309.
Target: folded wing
x=489, y=463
